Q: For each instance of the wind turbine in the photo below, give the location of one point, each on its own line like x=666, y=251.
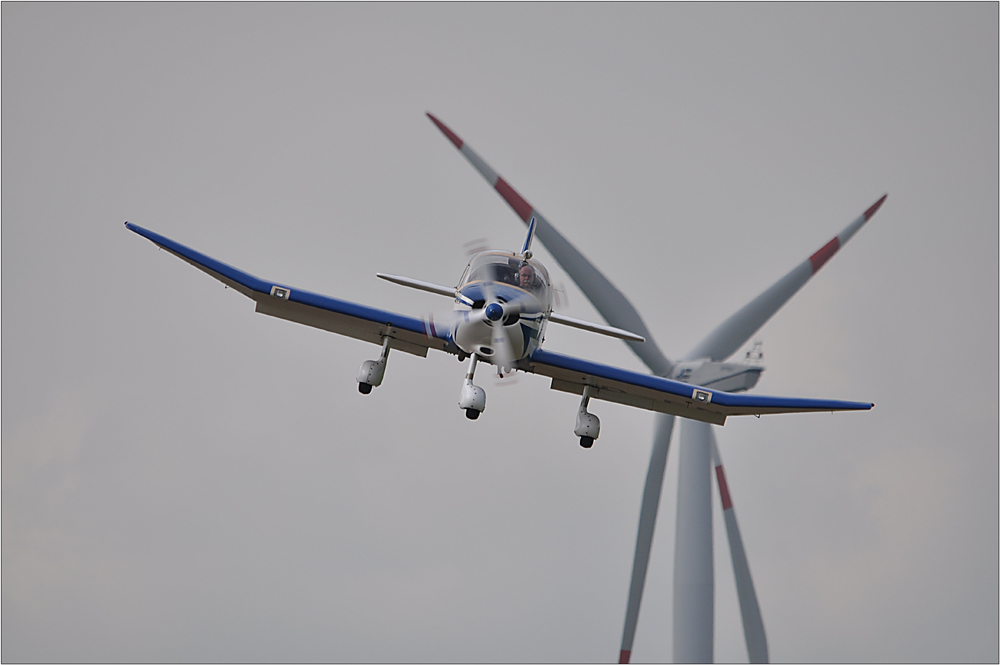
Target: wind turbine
x=694, y=590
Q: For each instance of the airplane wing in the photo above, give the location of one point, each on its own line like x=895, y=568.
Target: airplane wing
x=412, y=335
x=409, y=334
x=654, y=393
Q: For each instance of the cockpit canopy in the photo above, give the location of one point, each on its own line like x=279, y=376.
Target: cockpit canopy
x=509, y=268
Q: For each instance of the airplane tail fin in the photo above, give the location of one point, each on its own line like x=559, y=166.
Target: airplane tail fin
x=529, y=237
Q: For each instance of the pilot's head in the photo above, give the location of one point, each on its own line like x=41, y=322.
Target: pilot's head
x=526, y=276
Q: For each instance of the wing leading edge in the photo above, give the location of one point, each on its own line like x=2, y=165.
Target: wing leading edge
x=312, y=309
x=654, y=393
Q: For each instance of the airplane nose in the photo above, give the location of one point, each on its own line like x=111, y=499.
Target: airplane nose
x=494, y=311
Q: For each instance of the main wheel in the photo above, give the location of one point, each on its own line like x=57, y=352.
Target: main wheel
x=471, y=414
x=364, y=388
x=586, y=441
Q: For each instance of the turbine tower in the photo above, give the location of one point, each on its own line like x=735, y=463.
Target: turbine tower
x=694, y=585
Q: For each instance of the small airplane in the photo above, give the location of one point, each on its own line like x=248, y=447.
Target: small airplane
x=502, y=304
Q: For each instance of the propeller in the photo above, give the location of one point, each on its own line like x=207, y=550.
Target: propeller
x=498, y=312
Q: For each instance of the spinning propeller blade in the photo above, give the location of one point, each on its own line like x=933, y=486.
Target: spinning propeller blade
x=436, y=323
x=504, y=355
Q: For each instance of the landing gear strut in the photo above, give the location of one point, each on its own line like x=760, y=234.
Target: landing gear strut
x=371, y=372
x=473, y=398
x=588, y=426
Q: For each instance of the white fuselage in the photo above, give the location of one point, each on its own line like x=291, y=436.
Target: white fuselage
x=501, y=277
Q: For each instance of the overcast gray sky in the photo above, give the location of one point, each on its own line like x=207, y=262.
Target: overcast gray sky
x=186, y=480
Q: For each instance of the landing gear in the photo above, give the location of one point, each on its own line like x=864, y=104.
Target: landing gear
x=588, y=426
x=473, y=398
x=371, y=372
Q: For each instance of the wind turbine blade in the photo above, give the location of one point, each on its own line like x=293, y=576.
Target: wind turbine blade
x=738, y=328
x=647, y=523
x=608, y=300
x=753, y=624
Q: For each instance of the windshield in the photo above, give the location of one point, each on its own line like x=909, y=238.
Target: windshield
x=508, y=268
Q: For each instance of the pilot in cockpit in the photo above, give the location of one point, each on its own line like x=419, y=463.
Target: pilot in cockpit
x=526, y=278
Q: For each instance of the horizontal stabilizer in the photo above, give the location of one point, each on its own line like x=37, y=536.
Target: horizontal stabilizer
x=418, y=284
x=610, y=331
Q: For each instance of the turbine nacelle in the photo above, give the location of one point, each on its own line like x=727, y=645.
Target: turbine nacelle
x=731, y=377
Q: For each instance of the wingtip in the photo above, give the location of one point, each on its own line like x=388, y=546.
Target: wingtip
x=875, y=206
x=452, y=136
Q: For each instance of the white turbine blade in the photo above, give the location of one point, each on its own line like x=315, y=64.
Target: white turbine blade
x=608, y=300
x=647, y=524
x=694, y=575
x=418, y=284
x=595, y=327
x=738, y=328
x=753, y=624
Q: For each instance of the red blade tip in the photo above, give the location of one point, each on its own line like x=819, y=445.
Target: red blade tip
x=452, y=136
x=875, y=206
